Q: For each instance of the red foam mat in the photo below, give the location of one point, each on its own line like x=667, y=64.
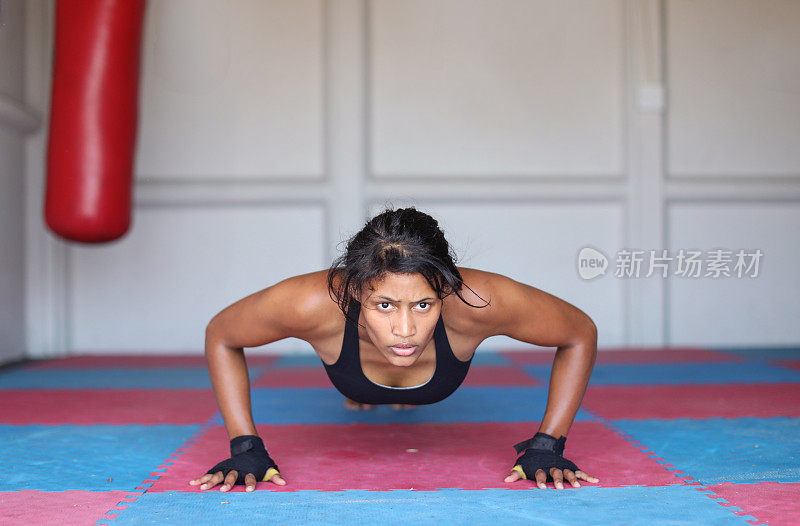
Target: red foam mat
x=59, y=407
x=375, y=457
x=61, y=507
x=774, y=503
x=640, y=402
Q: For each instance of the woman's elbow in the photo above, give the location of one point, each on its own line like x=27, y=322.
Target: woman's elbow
x=591, y=330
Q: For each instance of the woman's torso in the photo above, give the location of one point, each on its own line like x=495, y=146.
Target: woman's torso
x=459, y=338
x=348, y=376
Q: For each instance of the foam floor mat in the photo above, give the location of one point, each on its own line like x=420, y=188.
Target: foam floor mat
x=678, y=436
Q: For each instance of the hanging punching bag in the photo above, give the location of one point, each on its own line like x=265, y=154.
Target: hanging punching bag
x=93, y=116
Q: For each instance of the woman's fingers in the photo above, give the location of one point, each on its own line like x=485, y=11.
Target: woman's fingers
x=230, y=480
x=200, y=479
x=541, y=478
x=215, y=479
x=585, y=476
x=571, y=478
x=514, y=476
x=277, y=479
x=209, y=480
x=558, y=478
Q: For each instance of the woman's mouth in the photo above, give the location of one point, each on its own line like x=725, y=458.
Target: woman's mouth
x=404, y=351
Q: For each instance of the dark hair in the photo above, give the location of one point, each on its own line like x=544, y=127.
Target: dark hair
x=402, y=241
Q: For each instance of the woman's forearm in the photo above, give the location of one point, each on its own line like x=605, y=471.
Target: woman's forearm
x=572, y=367
x=228, y=371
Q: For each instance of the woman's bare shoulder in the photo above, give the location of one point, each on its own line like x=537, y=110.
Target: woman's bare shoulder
x=294, y=307
x=473, y=319
x=314, y=302
x=478, y=284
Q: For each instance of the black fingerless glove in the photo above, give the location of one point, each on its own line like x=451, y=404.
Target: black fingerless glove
x=248, y=455
x=544, y=452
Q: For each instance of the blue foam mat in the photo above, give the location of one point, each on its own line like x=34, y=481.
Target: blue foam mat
x=632, y=505
x=467, y=404
x=719, y=450
x=92, y=458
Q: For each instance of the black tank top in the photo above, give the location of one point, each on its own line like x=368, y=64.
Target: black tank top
x=348, y=377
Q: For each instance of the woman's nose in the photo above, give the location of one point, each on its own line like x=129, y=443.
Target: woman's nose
x=404, y=327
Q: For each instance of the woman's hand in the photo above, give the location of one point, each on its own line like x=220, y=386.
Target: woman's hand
x=542, y=459
x=249, y=463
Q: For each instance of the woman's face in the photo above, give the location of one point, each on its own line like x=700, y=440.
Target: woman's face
x=400, y=311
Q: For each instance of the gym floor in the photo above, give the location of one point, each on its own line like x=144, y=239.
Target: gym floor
x=694, y=436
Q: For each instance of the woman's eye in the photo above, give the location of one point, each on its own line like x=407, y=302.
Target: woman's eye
x=385, y=305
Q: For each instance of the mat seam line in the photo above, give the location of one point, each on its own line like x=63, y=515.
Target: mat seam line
x=114, y=512
x=687, y=480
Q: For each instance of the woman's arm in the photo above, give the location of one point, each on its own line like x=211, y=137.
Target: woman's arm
x=228, y=372
x=533, y=316
x=291, y=308
x=569, y=377
x=294, y=307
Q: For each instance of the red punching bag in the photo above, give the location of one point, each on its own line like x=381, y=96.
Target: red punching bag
x=93, y=116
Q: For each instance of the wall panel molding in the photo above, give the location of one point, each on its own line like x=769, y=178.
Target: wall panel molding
x=737, y=310
x=142, y=287
x=731, y=68
x=749, y=190
x=234, y=91
x=515, y=176
x=645, y=220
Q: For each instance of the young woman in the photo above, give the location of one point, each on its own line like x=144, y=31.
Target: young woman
x=395, y=321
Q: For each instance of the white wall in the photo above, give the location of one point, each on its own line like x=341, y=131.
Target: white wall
x=271, y=130
x=16, y=120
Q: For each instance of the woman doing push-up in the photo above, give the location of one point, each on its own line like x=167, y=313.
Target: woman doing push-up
x=395, y=321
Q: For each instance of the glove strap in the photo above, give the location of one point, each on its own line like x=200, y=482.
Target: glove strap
x=244, y=443
x=543, y=441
